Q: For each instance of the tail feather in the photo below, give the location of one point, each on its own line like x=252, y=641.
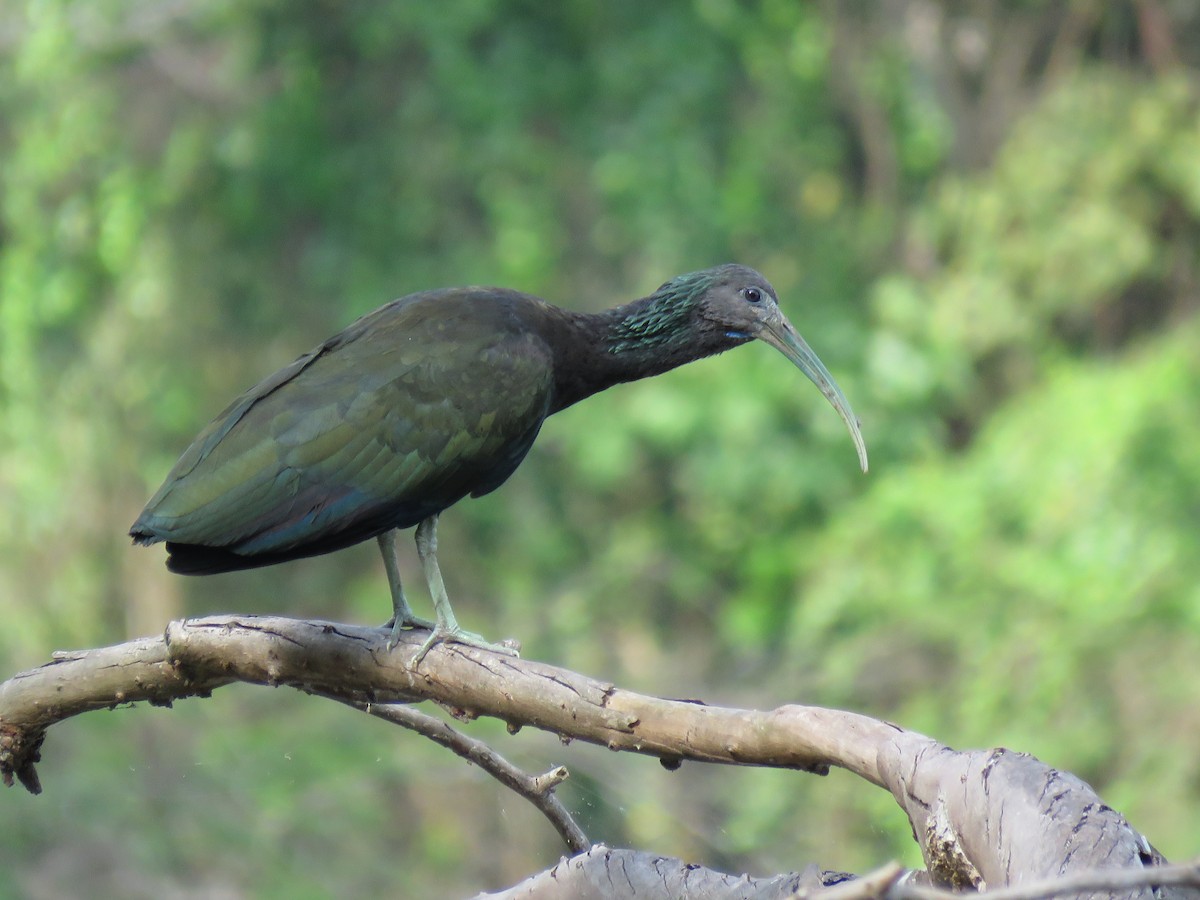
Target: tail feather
x=201, y=559
x=195, y=559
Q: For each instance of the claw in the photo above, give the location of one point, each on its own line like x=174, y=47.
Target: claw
x=397, y=624
x=439, y=635
x=446, y=628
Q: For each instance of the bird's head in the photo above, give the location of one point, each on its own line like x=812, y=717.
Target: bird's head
x=736, y=304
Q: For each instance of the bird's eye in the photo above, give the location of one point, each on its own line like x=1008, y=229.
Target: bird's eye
x=752, y=294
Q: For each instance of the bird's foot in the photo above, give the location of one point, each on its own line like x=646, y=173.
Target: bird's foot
x=455, y=635
x=399, y=623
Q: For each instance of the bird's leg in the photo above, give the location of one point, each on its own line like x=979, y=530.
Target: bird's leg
x=402, y=614
x=447, y=628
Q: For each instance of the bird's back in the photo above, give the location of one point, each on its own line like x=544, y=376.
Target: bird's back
x=429, y=398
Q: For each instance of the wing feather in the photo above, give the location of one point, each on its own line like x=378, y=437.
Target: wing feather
x=411, y=408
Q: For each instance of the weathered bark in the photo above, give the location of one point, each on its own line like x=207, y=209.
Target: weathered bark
x=603, y=872
x=982, y=818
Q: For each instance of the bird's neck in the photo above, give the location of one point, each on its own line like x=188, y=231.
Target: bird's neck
x=640, y=339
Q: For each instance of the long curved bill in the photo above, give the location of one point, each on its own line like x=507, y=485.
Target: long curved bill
x=783, y=337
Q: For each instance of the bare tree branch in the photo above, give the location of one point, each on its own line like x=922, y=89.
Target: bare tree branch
x=607, y=872
x=983, y=818
x=537, y=789
x=1106, y=881
x=348, y=662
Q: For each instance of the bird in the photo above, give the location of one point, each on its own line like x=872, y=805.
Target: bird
x=430, y=398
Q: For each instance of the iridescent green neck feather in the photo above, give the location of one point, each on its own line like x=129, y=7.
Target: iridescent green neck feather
x=640, y=339
x=665, y=317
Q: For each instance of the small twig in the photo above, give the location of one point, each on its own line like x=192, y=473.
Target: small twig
x=1181, y=875
x=889, y=883
x=537, y=789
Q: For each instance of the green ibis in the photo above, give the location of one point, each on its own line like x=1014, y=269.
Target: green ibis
x=427, y=399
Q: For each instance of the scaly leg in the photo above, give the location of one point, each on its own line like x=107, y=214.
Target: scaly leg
x=402, y=614
x=447, y=628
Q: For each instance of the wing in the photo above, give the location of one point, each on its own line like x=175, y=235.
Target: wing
x=411, y=408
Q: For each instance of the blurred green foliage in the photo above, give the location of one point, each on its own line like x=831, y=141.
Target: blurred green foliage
x=985, y=219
